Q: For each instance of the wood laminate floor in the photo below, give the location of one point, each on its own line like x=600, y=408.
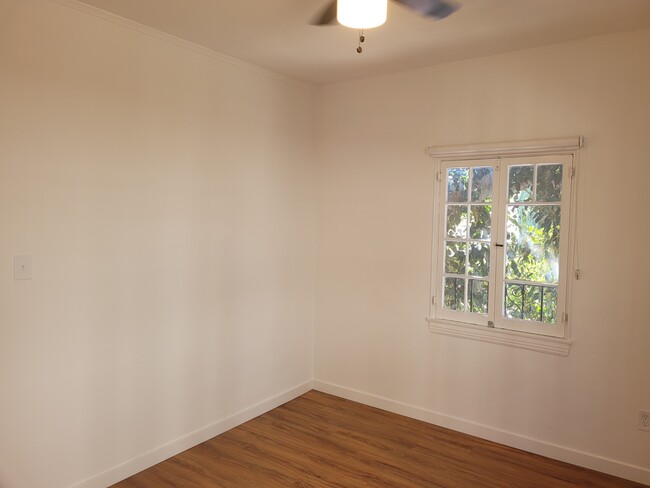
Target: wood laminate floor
x=319, y=440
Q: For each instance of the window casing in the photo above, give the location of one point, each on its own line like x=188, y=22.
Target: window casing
x=502, y=241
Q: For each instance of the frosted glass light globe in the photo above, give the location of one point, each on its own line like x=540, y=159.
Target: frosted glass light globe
x=362, y=14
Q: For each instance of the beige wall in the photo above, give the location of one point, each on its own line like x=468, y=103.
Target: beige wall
x=375, y=213
x=165, y=197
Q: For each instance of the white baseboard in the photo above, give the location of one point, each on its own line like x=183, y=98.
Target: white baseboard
x=553, y=451
x=161, y=453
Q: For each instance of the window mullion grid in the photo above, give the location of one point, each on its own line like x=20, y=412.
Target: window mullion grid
x=520, y=322
x=496, y=276
x=467, y=240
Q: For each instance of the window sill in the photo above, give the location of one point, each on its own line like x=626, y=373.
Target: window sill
x=531, y=342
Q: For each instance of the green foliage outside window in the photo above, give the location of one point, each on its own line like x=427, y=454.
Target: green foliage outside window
x=533, y=242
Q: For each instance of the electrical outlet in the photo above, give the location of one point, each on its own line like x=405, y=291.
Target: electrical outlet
x=644, y=420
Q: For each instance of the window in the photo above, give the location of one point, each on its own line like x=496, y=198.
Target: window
x=502, y=241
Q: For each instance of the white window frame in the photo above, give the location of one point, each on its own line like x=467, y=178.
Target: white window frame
x=441, y=237
x=553, y=339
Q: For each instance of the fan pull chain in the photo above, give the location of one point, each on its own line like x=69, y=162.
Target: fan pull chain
x=361, y=39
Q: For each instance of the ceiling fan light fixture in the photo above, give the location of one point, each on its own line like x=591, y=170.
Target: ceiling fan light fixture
x=362, y=14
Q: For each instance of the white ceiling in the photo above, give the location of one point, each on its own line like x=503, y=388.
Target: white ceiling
x=275, y=34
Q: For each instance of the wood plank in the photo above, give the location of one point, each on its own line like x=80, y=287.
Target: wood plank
x=322, y=441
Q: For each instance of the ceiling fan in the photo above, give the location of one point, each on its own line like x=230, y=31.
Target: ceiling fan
x=366, y=14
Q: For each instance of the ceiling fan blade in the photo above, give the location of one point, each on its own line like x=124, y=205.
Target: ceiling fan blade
x=327, y=16
x=438, y=9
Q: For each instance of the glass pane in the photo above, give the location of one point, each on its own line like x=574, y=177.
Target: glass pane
x=549, y=309
x=479, y=259
x=477, y=291
x=454, y=298
x=455, y=257
x=532, y=303
x=457, y=181
x=520, y=188
x=457, y=221
x=533, y=243
x=549, y=183
x=513, y=306
x=480, y=221
x=482, y=184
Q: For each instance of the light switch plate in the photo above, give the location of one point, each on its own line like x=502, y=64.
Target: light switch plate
x=22, y=268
